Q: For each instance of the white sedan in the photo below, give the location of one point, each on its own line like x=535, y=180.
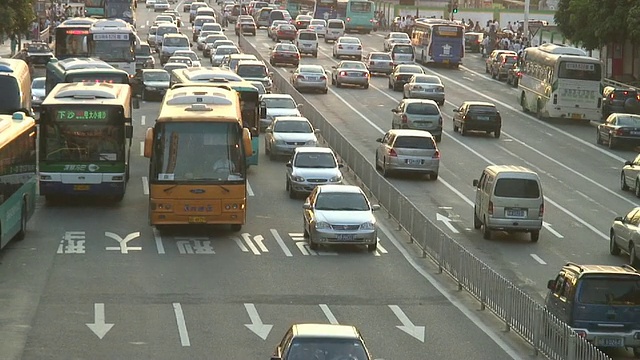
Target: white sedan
x=150, y=3
x=347, y=46
x=161, y=5
x=319, y=26
x=395, y=38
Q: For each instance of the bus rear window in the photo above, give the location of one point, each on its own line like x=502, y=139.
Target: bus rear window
x=10, y=100
x=363, y=6
x=448, y=31
x=580, y=71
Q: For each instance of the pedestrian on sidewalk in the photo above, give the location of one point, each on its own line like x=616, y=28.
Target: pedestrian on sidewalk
x=14, y=44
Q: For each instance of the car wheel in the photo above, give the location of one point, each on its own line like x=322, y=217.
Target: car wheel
x=375, y=164
x=535, y=235
x=633, y=258
x=315, y=54
x=390, y=86
x=325, y=91
x=312, y=245
x=463, y=130
x=455, y=127
x=476, y=221
x=372, y=247
x=438, y=138
x=144, y=95
x=496, y=133
x=292, y=193
x=523, y=103
x=636, y=188
x=333, y=81
x=623, y=182
x=338, y=84
x=486, y=232
x=365, y=86
x=598, y=137
x=433, y=176
x=612, y=142
x=614, y=249
x=305, y=233
x=272, y=63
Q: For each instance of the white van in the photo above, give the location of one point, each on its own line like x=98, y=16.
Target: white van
x=335, y=29
x=307, y=42
x=508, y=198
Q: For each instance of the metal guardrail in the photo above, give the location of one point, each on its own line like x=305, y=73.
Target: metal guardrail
x=519, y=312
x=609, y=82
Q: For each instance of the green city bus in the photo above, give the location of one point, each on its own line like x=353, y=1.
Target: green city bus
x=85, y=140
x=82, y=70
x=18, y=177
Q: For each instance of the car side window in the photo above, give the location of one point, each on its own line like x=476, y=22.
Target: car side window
x=629, y=216
x=568, y=289
x=611, y=120
x=559, y=287
x=635, y=220
x=286, y=342
x=483, y=179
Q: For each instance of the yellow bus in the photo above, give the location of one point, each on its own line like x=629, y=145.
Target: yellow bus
x=197, y=150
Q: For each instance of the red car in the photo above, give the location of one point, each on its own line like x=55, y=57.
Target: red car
x=285, y=32
x=285, y=54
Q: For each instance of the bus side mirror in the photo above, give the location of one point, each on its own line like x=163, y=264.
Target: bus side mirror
x=246, y=142
x=136, y=103
x=128, y=131
x=148, y=143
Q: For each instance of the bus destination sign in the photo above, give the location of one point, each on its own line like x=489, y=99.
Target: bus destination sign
x=107, y=37
x=71, y=115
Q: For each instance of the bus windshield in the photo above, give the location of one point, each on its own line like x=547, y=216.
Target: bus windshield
x=195, y=152
x=94, y=3
x=448, y=31
x=121, y=10
x=10, y=100
x=579, y=71
x=71, y=43
x=76, y=134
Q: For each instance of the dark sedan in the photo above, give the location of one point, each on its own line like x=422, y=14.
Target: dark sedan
x=401, y=75
x=285, y=32
x=38, y=53
x=150, y=83
x=302, y=21
x=619, y=128
x=285, y=54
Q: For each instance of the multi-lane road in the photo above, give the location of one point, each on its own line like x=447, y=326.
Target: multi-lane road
x=95, y=281
x=580, y=178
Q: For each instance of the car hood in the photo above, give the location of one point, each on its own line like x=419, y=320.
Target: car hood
x=295, y=137
x=345, y=217
x=159, y=84
x=316, y=173
x=282, y=112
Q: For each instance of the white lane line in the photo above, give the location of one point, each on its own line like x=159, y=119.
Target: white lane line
x=182, y=326
x=249, y=189
x=327, y=312
x=141, y=148
x=158, y=239
x=538, y=259
x=470, y=314
x=142, y=119
x=145, y=185
x=281, y=243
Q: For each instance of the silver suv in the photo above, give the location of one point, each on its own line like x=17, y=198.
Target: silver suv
x=171, y=43
x=311, y=166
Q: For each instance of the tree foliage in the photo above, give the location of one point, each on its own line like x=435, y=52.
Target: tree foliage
x=16, y=16
x=595, y=23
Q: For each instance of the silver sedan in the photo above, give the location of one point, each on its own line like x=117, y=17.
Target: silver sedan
x=350, y=72
x=309, y=77
x=424, y=87
x=286, y=133
x=379, y=62
x=340, y=215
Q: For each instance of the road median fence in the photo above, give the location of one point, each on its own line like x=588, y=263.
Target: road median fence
x=520, y=313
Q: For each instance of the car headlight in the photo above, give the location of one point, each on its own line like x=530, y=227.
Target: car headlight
x=33, y=97
x=368, y=226
x=336, y=178
x=323, y=225
x=297, y=178
x=311, y=143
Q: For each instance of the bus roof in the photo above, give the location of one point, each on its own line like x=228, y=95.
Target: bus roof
x=204, y=74
x=111, y=24
x=8, y=66
x=240, y=86
x=89, y=93
x=561, y=49
x=79, y=21
x=200, y=103
x=540, y=55
x=13, y=125
x=80, y=63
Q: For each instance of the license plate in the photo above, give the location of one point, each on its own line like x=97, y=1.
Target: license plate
x=313, y=78
x=610, y=342
x=445, y=61
x=576, y=116
x=635, y=132
x=346, y=237
x=516, y=213
x=197, y=220
x=484, y=118
x=81, y=187
x=414, y=162
x=307, y=45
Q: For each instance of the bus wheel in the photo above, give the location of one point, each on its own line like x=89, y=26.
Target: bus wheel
x=236, y=227
x=23, y=222
x=539, y=114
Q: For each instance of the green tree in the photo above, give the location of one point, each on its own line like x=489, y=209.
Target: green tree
x=595, y=23
x=16, y=16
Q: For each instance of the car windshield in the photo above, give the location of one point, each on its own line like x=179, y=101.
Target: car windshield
x=517, y=188
x=422, y=109
x=301, y=127
x=475, y=109
x=251, y=70
x=38, y=83
x=311, y=70
x=610, y=291
x=166, y=30
x=286, y=47
x=632, y=121
x=191, y=55
x=428, y=80
x=260, y=86
x=380, y=57
x=213, y=39
x=308, y=36
x=156, y=76
x=411, y=69
x=352, y=65
x=315, y=160
x=286, y=27
x=414, y=142
x=399, y=36
x=349, y=41
x=318, y=22
x=225, y=50
x=211, y=27
x=341, y=201
x=38, y=48
x=164, y=18
x=403, y=49
x=181, y=60
x=279, y=103
x=143, y=51
x=176, y=41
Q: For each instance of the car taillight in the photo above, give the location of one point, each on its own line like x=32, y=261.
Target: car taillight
x=581, y=333
x=339, y=46
x=436, y=155
x=638, y=97
x=359, y=47
x=370, y=20
x=299, y=23
x=323, y=77
x=417, y=87
x=466, y=118
x=393, y=153
x=490, y=209
x=297, y=56
x=391, y=63
x=404, y=119
x=619, y=132
x=300, y=77
x=541, y=212
x=625, y=93
x=612, y=96
x=343, y=73
x=348, y=19
x=519, y=74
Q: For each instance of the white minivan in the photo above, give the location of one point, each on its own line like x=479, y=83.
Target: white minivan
x=307, y=42
x=334, y=30
x=508, y=198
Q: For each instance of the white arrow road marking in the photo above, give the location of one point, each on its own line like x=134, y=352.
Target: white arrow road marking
x=99, y=326
x=327, y=312
x=551, y=230
x=249, y=190
x=259, y=239
x=258, y=328
x=158, y=238
x=247, y=240
x=182, y=325
x=281, y=243
x=142, y=119
x=447, y=222
x=240, y=244
x=407, y=326
x=145, y=185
